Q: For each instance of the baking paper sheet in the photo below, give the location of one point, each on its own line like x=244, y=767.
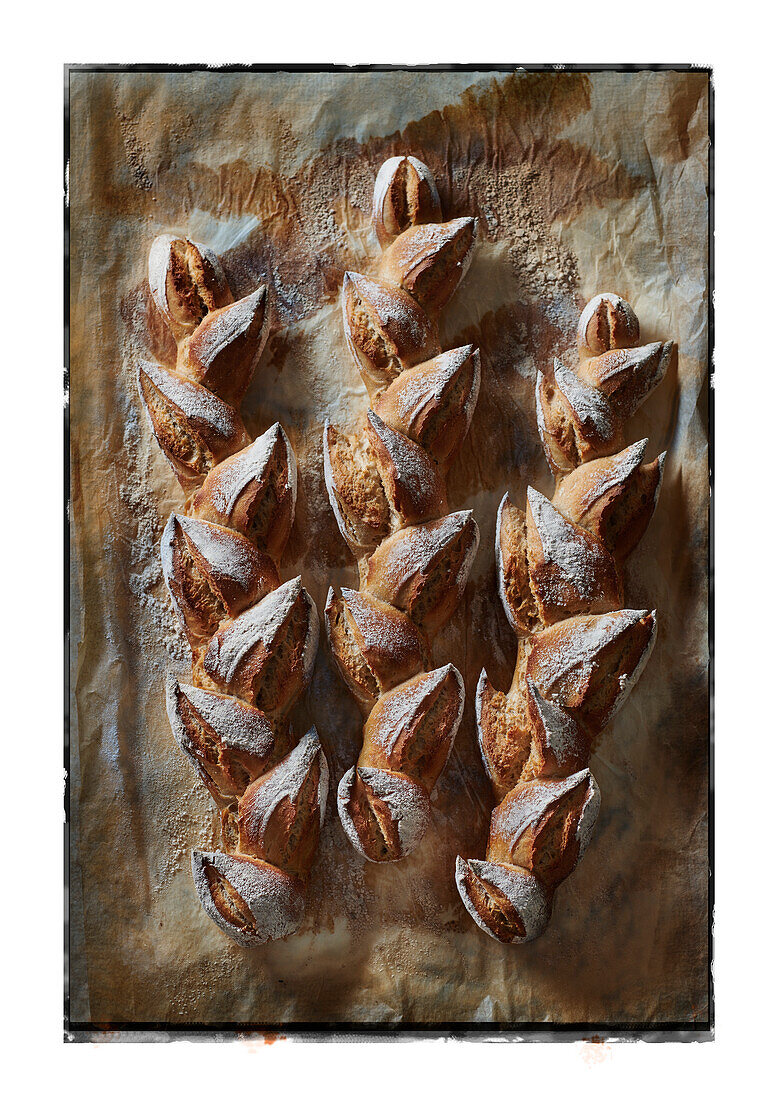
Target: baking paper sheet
x=582, y=182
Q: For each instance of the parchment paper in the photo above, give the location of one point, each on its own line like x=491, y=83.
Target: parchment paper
x=582, y=183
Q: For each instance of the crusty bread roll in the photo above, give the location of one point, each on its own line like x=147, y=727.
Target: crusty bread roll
x=387, y=489
x=581, y=412
x=253, y=639
x=579, y=650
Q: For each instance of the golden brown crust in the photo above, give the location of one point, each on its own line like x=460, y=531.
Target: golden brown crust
x=385, y=814
x=626, y=376
x=253, y=492
x=374, y=825
x=576, y=421
x=433, y=403
x=581, y=411
x=614, y=498
x=211, y=573
x=506, y=902
x=570, y=571
x=387, y=490
x=607, y=322
x=516, y=592
x=543, y=826
x=265, y=655
x=423, y=570
x=579, y=653
x=505, y=733
x=354, y=486
x=493, y=908
x=412, y=484
x=223, y=351
x=229, y=742
x=250, y=900
x=405, y=194
x=195, y=429
x=280, y=814
x=559, y=745
x=430, y=260
x=253, y=639
x=412, y=727
x=588, y=663
x=387, y=331
x=186, y=281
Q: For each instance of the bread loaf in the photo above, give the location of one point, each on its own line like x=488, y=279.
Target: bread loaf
x=387, y=488
x=579, y=651
x=253, y=639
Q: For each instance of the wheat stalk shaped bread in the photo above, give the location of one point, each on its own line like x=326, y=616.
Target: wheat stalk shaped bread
x=387, y=488
x=580, y=651
x=253, y=639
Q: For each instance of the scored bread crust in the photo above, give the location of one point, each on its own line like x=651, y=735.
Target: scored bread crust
x=253, y=639
x=387, y=488
x=579, y=650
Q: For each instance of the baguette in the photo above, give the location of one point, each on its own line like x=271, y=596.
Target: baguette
x=579, y=650
x=386, y=485
x=253, y=639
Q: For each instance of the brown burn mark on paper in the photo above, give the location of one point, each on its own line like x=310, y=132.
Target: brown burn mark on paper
x=685, y=121
x=512, y=340
x=304, y=239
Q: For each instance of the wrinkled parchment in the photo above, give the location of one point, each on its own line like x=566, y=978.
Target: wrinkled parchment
x=582, y=182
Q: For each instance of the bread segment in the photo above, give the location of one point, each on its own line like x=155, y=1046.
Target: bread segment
x=405, y=194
